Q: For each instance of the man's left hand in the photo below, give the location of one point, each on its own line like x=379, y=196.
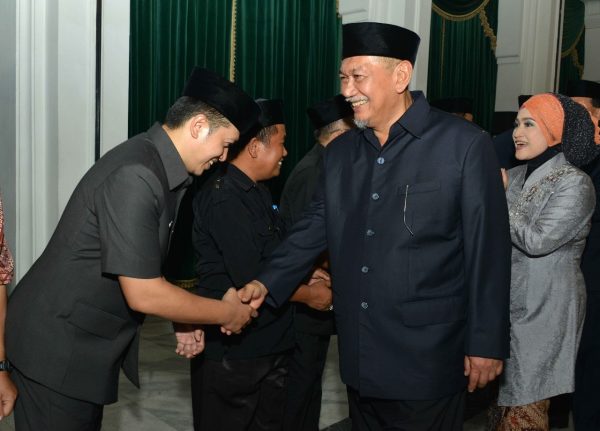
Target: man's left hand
x=190, y=340
x=481, y=371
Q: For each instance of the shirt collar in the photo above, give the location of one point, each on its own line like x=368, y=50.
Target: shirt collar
x=413, y=119
x=177, y=174
x=243, y=180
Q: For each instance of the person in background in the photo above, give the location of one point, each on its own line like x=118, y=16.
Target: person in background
x=459, y=106
x=586, y=401
x=551, y=202
x=74, y=319
x=239, y=383
x=411, y=209
x=313, y=327
x=8, y=391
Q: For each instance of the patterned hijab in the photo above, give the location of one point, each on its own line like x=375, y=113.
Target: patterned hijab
x=563, y=121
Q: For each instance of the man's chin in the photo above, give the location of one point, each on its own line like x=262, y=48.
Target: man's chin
x=360, y=123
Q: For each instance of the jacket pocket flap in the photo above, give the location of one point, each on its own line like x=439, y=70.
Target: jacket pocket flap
x=433, y=311
x=428, y=186
x=96, y=321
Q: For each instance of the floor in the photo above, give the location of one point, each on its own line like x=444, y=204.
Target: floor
x=163, y=402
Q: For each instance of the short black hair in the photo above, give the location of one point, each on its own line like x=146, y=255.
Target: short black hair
x=264, y=135
x=186, y=107
x=324, y=132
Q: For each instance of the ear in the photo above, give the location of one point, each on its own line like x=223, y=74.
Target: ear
x=198, y=125
x=403, y=73
x=252, y=147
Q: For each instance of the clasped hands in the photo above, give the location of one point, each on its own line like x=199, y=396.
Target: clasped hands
x=243, y=304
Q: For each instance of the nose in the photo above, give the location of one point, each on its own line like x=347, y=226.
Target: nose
x=347, y=88
x=285, y=153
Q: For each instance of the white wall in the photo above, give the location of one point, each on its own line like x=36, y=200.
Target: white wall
x=527, y=42
x=414, y=15
x=592, y=40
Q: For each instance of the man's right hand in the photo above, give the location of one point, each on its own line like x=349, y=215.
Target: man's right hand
x=239, y=314
x=253, y=293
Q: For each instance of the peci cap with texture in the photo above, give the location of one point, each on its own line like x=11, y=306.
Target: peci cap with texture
x=224, y=96
x=583, y=88
x=327, y=111
x=379, y=39
x=271, y=112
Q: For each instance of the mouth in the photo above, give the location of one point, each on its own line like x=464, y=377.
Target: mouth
x=520, y=145
x=356, y=102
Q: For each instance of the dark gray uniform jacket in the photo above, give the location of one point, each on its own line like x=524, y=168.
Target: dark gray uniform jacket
x=419, y=245
x=68, y=325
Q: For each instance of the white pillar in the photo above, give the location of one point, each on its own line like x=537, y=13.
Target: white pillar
x=114, y=73
x=592, y=37
x=414, y=15
x=527, y=49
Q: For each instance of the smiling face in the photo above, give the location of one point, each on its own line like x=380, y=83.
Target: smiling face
x=272, y=153
x=372, y=85
x=528, y=137
x=211, y=146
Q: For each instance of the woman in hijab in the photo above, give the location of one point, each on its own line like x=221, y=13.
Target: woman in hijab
x=550, y=205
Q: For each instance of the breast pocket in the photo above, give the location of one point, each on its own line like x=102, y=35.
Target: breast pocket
x=268, y=236
x=420, y=204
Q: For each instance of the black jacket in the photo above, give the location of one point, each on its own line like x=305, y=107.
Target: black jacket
x=68, y=325
x=419, y=245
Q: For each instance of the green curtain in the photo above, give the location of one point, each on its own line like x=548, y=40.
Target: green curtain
x=573, y=44
x=289, y=49
x=167, y=39
x=462, y=62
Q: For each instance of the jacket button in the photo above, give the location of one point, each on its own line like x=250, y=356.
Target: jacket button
x=375, y=196
x=380, y=160
x=364, y=305
x=370, y=232
x=364, y=269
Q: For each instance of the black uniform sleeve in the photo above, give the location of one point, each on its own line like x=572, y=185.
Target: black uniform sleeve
x=487, y=250
x=128, y=206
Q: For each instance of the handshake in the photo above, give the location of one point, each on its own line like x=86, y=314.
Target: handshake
x=240, y=307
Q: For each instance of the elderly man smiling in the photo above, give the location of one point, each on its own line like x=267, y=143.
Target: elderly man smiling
x=412, y=210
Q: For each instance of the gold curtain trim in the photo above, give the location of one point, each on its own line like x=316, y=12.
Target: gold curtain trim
x=576, y=63
x=232, y=41
x=572, y=48
x=487, y=29
x=442, y=50
x=464, y=17
x=185, y=284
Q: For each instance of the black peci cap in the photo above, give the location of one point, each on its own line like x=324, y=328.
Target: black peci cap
x=327, y=111
x=382, y=40
x=224, y=96
x=454, y=105
x=523, y=98
x=583, y=88
x=271, y=112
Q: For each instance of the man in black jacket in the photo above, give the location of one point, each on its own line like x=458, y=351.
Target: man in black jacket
x=586, y=407
x=73, y=321
x=412, y=211
x=312, y=326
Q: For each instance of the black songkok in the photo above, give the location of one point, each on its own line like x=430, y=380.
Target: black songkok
x=523, y=98
x=327, y=111
x=271, y=112
x=583, y=88
x=224, y=96
x=454, y=105
x=381, y=40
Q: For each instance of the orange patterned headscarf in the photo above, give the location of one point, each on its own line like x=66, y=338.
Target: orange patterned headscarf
x=549, y=115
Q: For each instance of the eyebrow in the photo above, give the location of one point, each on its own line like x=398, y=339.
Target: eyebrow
x=354, y=70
